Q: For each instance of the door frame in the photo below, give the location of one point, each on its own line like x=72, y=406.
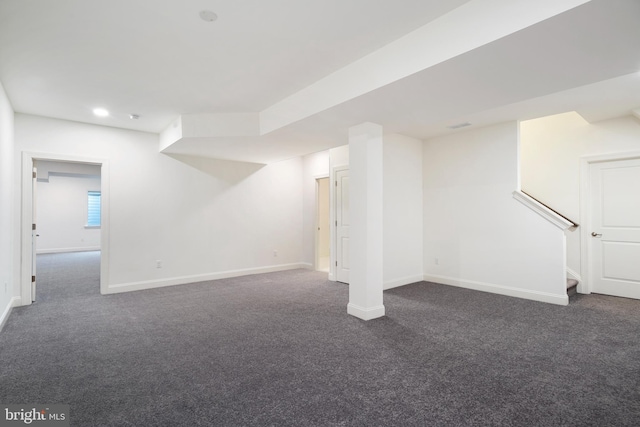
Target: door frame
x=333, y=217
x=317, y=179
x=586, y=252
x=34, y=232
x=26, y=217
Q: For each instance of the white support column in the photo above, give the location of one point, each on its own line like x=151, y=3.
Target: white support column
x=365, y=200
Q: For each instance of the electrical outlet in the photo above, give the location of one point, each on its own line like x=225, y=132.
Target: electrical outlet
x=158, y=263
x=436, y=261
x=275, y=253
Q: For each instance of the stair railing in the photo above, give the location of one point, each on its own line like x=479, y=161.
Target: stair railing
x=574, y=224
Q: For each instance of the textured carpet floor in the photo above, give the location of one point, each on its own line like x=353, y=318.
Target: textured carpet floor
x=279, y=350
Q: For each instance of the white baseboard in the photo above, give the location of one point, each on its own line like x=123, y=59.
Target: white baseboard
x=183, y=280
x=5, y=314
x=13, y=302
x=499, y=289
x=306, y=265
x=402, y=281
x=63, y=250
x=365, y=313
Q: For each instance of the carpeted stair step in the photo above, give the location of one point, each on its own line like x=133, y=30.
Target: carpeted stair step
x=572, y=285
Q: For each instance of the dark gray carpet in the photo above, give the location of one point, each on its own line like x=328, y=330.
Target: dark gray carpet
x=279, y=350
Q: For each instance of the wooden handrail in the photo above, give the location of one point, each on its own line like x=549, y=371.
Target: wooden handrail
x=575, y=224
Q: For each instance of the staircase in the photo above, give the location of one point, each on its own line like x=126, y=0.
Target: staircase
x=556, y=218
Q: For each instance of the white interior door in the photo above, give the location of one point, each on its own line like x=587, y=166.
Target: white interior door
x=342, y=226
x=34, y=233
x=323, y=239
x=615, y=228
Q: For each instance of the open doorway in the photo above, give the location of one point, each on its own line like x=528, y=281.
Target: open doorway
x=67, y=213
x=323, y=225
x=55, y=238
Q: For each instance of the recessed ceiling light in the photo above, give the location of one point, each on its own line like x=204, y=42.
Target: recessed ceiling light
x=207, y=15
x=100, y=112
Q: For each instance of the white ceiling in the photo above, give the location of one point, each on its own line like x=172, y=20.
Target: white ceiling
x=158, y=59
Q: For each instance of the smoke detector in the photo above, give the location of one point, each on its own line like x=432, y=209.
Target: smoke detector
x=207, y=15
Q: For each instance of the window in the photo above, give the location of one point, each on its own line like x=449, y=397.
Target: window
x=93, y=209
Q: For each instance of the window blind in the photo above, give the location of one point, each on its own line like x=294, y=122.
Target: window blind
x=93, y=209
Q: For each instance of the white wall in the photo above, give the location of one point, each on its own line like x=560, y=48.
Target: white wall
x=551, y=148
x=7, y=284
x=61, y=199
x=315, y=166
x=68, y=168
x=403, y=222
x=202, y=218
x=480, y=235
x=339, y=156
